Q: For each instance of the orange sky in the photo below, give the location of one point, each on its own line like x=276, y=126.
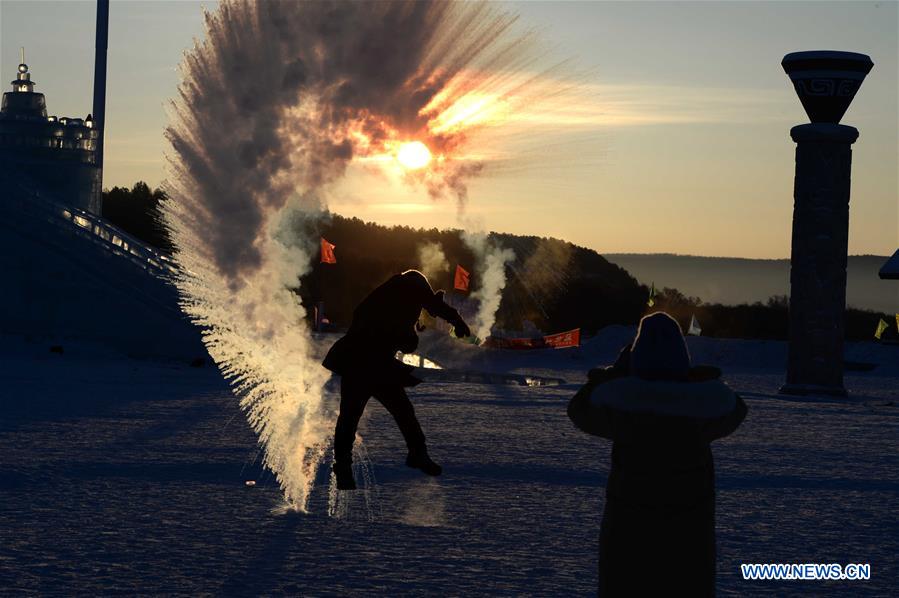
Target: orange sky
x=678, y=141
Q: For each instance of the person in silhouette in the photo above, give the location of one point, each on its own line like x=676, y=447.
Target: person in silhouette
x=657, y=534
x=365, y=359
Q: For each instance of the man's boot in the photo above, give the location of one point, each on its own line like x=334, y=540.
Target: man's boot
x=419, y=459
x=343, y=471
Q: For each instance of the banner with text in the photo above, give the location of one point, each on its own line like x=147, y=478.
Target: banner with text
x=563, y=340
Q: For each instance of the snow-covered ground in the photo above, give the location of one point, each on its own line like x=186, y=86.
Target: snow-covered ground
x=119, y=475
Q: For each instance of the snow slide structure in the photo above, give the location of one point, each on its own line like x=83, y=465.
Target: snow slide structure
x=69, y=274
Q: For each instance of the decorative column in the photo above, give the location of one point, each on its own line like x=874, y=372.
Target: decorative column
x=826, y=83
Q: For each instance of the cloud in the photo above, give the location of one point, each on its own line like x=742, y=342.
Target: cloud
x=601, y=105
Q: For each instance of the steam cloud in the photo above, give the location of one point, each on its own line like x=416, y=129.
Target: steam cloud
x=274, y=103
x=545, y=272
x=490, y=262
x=432, y=261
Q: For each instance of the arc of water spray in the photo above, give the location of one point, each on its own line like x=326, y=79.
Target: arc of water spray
x=274, y=103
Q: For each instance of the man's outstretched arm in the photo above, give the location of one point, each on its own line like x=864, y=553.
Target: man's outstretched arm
x=438, y=308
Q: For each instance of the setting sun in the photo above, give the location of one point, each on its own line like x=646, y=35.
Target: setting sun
x=413, y=155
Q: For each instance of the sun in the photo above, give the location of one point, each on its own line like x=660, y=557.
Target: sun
x=413, y=155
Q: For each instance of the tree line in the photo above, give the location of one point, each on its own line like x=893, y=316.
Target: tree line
x=553, y=284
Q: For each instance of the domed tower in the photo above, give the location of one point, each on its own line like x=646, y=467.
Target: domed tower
x=54, y=157
x=23, y=100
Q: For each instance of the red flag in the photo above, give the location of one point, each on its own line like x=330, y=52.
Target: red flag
x=328, y=256
x=462, y=278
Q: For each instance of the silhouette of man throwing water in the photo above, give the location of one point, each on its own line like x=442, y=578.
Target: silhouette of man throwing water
x=365, y=358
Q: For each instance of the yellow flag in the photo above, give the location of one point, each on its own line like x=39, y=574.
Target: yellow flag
x=881, y=326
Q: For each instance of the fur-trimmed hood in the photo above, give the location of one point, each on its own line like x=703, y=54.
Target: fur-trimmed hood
x=707, y=399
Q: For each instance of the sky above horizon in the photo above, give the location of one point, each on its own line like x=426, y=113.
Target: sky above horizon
x=680, y=145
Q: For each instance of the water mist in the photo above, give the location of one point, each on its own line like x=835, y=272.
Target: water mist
x=274, y=102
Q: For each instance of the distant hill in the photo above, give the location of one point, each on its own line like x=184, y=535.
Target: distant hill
x=552, y=283
x=732, y=281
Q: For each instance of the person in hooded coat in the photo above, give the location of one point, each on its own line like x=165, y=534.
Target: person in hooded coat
x=657, y=535
x=365, y=359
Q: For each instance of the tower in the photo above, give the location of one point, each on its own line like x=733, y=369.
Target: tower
x=55, y=157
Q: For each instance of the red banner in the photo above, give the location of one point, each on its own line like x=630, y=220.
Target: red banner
x=462, y=278
x=328, y=256
x=563, y=340
x=572, y=338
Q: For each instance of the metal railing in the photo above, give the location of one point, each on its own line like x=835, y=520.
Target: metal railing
x=17, y=198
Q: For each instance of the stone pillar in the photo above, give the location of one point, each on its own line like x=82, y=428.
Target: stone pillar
x=818, y=260
x=826, y=81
